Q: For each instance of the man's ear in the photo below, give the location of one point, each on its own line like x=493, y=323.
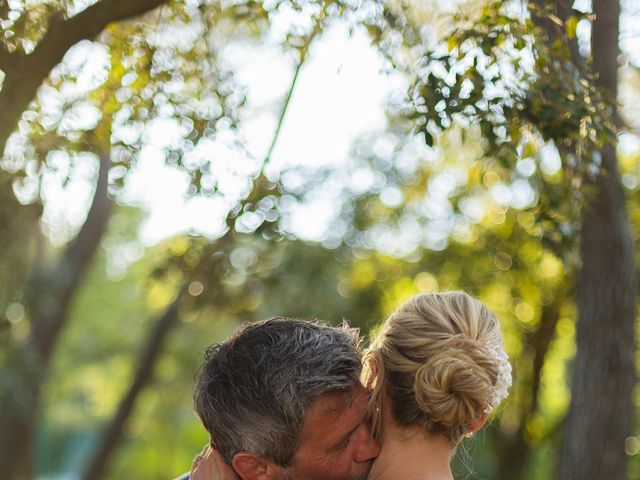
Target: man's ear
x=250, y=466
x=477, y=424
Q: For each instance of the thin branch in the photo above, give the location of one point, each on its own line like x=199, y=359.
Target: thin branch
x=260, y=179
x=303, y=56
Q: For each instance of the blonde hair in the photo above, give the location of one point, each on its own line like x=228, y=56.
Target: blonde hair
x=438, y=358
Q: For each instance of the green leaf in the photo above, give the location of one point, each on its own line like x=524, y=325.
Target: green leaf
x=528, y=150
x=570, y=26
x=514, y=132
x=452, y=43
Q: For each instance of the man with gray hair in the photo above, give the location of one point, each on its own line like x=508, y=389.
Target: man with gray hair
x=281, y=399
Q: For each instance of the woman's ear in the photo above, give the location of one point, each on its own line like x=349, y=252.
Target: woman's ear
x=477, y=424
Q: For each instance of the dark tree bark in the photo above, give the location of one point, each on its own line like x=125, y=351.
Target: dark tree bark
x=601, y=413
x=514, y=449
x=143, y=375
x=48, y=296
x=562, y=10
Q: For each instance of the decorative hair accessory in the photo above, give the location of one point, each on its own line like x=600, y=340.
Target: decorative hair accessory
x=503, y=382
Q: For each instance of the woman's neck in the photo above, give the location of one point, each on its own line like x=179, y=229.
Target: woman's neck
x=411, y=453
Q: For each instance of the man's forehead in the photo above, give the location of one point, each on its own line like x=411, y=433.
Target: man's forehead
x=334, y=412
x=335, y=401
x=326, y=449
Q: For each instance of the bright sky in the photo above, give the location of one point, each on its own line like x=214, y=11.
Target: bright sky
x=340, y=95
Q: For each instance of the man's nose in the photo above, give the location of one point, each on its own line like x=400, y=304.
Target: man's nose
x=369, y=448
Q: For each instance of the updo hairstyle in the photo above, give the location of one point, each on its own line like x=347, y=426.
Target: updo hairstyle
x=440, y=359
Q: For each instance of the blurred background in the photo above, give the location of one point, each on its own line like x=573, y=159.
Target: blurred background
x=172, y=169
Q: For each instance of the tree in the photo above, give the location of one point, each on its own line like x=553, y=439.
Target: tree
x=540, y=103
x=52, y=287
x=374, y=251
x=606, y=300
x=41, y=43
x=34, y=42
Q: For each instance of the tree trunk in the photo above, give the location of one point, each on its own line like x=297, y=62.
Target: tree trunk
x=601, y=413
x=144, y=373
x=48, y=296
x=515, y=449
x=17, y=224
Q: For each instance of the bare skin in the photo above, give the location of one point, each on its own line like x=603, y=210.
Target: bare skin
x=336, y=443
x=209, y=465
x=410, y=453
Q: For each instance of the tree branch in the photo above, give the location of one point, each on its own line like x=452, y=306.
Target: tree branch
x=4, y=9
x=287, y=100
x=70, y=269
x=7, y=60
x=87, y=24
x=143, y=375
x=22, y=82
x=562, y=9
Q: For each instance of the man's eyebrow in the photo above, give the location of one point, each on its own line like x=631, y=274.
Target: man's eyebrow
x=343, y=439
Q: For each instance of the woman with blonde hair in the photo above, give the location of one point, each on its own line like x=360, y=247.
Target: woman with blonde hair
x=435, y=370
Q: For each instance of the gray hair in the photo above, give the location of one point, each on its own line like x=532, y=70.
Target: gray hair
x=253, y=391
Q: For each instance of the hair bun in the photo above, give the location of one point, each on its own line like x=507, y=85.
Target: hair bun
x=454, y=386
